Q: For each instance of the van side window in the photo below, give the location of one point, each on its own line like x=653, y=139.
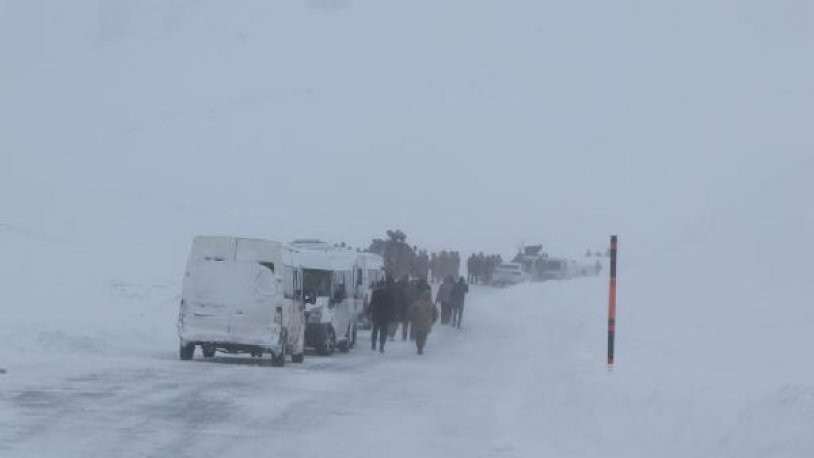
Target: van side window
x=339, y=278
x=340, y=282
x=267, y=265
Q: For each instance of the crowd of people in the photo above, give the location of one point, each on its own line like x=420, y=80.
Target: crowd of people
x=420, y=267
x=451, y=295
x=480, y=267
x=408, y=305
x=444, y=264
x=402, y=259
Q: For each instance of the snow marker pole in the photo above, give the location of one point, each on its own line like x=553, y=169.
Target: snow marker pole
x=612, y=302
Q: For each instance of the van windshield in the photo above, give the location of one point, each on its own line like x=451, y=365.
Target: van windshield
x=316, y=283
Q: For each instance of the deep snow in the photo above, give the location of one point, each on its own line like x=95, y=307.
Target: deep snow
x=525, y=377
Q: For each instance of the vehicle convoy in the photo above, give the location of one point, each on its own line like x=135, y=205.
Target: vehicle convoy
x=335, y=283
x=540, y=266
x=242, y=296
x=510, y=273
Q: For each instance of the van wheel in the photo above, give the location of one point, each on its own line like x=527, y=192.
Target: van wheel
x=298, y=358
x=186, y=351
x=208, y=351
x=345, y=345
x=328, y=345
x=278, y=360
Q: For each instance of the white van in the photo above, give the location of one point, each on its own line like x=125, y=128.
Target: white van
x=559, y=269
x=510, y=273
x=242, y=296
x=369, y=271
x=331, y=305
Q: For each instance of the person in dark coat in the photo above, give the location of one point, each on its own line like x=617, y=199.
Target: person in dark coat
x=444, y=297
x=457, y=300
x=420, y=285
x=381, y=314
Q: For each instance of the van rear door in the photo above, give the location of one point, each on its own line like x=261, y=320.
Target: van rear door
x=255, y=303
x=207, y=307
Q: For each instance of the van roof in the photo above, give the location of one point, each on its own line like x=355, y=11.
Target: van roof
x=371, y=260
x=310, y=244
x=235, y=248
x=323, y=260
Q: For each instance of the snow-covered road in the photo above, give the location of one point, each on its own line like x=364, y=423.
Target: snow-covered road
x=461, y=397
x=524, y=378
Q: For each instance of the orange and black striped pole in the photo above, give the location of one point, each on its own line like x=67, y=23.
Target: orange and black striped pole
x=612, y=302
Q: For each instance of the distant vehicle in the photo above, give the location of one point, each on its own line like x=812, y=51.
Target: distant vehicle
x=242, y=296
x=330, y=295
x=369, y=271
x=559, y=269
x=532, y=259
x=510, y=273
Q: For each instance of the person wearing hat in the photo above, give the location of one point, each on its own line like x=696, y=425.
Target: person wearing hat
x=381, y=313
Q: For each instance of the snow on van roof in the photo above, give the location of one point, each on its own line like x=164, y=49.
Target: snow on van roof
x=371, y=260
x=235, y=248
x=311, y=244
x=328, y=259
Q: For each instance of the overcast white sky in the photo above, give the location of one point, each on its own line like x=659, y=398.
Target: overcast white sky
x=468, y=124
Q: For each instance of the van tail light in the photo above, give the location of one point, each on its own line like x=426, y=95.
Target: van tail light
x=278, y=316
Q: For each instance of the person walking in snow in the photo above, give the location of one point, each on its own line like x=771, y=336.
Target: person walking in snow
x=403, y=301
x=399, y=310
x=381, y=313
x=420, y=286
x=423, y=314
x=457, y=297
x=443, y=297
x=415, y=290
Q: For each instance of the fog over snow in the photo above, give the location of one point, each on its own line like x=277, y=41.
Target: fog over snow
x=685, y=127
x=469, y=123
